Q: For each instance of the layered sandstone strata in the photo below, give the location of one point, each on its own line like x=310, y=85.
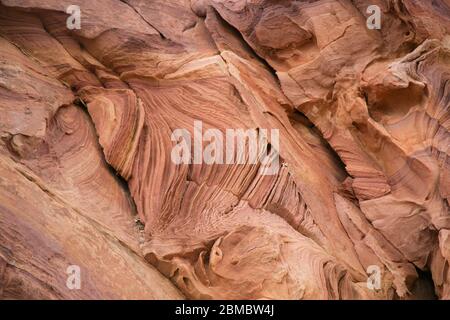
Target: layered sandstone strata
x=87, y=179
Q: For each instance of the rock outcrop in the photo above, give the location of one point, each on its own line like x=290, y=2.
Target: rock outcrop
x=87, y=118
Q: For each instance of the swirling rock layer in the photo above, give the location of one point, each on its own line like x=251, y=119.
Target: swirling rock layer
x=87, y=176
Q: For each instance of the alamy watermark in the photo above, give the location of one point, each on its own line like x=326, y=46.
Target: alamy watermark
x=374, y=279
x=374, y=20
x=235, y=146
x=73, y=281
x=74, y=20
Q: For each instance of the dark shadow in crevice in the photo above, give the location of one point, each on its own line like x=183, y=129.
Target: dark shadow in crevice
x=423, y=287
x=296, y=117
x=120, y=180
x=238, y=35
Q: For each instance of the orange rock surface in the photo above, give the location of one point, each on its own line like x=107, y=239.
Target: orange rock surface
x=87, y=179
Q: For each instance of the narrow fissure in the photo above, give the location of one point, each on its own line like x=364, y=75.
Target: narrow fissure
x=241, y=38
x=120, y=180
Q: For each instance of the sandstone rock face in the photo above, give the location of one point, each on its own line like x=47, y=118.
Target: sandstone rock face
x=87, y=118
